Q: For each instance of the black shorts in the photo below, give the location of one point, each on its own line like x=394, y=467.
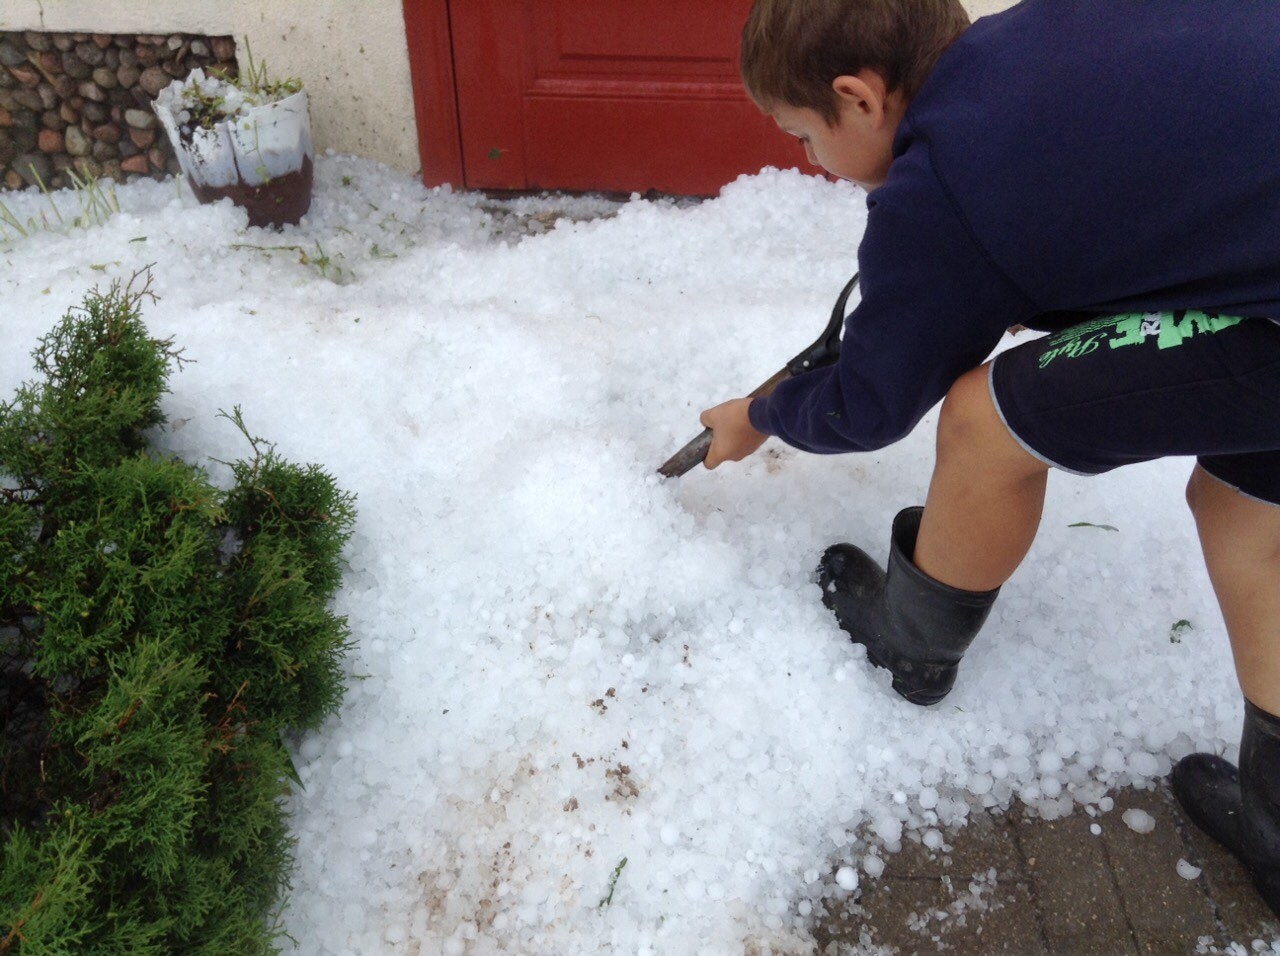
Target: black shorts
x=1120, y=389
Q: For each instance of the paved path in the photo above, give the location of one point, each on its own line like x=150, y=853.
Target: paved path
x=1060, y=889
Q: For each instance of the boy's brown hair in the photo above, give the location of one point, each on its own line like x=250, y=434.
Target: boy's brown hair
x=793, y=49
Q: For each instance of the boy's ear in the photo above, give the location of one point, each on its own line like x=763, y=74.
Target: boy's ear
x=866, y=94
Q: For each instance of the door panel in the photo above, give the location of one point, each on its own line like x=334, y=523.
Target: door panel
x=607, y=95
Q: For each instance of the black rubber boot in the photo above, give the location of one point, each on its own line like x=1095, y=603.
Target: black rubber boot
x=914, y=626
x=1240, y=808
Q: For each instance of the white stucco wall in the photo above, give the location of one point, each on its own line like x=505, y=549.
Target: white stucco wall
x=980, y=8
x=351, y=54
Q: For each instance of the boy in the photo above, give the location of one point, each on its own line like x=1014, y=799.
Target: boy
x=1107, y=172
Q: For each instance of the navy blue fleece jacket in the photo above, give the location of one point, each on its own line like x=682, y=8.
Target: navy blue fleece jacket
x=1064, y=156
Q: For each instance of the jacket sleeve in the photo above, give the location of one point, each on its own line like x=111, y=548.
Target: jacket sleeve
x=933, y=306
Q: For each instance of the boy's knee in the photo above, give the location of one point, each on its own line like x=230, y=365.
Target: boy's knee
x=969, y=425
x=967, y=414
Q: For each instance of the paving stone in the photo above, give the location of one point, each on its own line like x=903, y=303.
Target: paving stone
x=1164, y=910
x=1079, y=902
x=910, y=915
x=1246, y=918
x=1061, y=890
x=987, y=841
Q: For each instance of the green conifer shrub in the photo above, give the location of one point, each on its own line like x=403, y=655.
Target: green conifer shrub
x=158, y=638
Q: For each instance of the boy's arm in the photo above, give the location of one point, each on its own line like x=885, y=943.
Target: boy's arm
x=933, y=306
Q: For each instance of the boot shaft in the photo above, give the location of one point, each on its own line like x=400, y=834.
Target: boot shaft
x=934, y=621
x=1260, y=780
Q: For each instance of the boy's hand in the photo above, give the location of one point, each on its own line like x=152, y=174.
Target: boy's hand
x=733, y=437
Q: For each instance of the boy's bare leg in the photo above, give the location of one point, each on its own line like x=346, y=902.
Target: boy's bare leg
x=1240, y=538
x=985, y=497
x=984, y=506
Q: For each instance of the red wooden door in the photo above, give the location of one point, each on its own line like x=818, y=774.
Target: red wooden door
x=617, y=95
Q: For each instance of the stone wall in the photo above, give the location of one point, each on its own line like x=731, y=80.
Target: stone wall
x=82, y=101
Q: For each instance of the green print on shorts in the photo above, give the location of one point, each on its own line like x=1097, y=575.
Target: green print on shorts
x=1169, y=329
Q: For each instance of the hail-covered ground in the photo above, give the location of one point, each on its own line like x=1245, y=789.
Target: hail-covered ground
x=591, y=710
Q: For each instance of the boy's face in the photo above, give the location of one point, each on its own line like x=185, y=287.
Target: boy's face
x=859, y=147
